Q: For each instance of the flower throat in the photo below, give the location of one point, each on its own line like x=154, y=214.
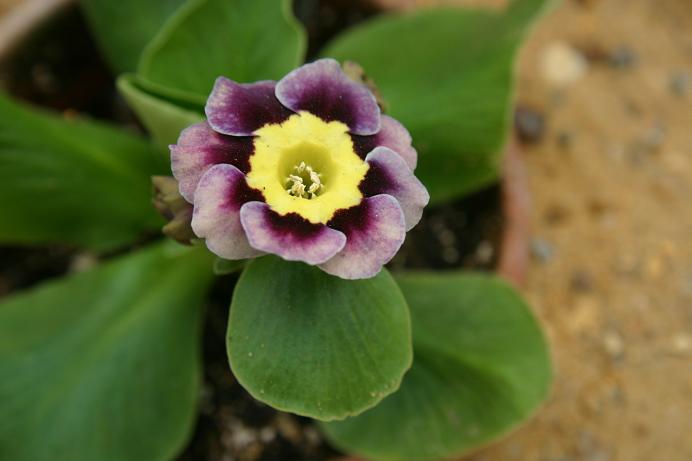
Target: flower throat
x=304, y=182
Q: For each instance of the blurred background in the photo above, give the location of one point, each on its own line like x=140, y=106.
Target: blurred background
x=604, y=115
x=605, y=112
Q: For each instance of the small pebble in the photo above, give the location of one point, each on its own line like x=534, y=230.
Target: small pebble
x=542, y=250
x=613, y=344
x=565, y=139
x=556, y=214
x=446, y=237
x=557, y=98
x=484, y=252
x=616, y=395
x=650, y=144
x=655, y=267
x=529, y=124
x=682, y=344
x=616, y=152
x=44, y=78
x=82, y=262
x=562, y=64
x=581, y=282
x=656, y=136
x=237, y=436
x=633, y=108
x=206, y=399
x=586, y=442
x=628, y=264
x=288, y=427
x=312, y=437
x=623, y=58
x=687, y=284
x=599, y=455
x=598, y=207
x=450, y=255
x=267, y=434
x=680, y=83
x=70, y=114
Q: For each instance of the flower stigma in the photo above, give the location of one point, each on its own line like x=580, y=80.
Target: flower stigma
x=305, y=182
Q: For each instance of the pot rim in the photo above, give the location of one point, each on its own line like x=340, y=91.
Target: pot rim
x=22, y=19
x=513, y=261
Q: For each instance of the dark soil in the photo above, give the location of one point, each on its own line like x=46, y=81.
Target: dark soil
x=24, y=267
x=464, y=233
x=61, y=69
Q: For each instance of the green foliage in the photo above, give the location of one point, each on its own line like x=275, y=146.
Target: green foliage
x=225, y=266
x=448, y=79
x=481, y=367
x=163, y=119
x=74, y=182
x=245, y=40
x=104, y=365
x=124, y=27
x=316, y=345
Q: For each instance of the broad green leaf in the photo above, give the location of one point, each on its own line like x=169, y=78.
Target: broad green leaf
x=104, y=365
x=163, y=119
x=449, y=81
x=73, y=181
x=245, y=40
x=225, y=266
x=481, y=367
x=305, y=342
x=124, y=27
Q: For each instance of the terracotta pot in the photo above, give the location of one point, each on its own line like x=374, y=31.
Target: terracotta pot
x=23, y=19
x=516, y=210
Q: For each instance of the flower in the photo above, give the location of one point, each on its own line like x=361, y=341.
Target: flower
x=305, y=168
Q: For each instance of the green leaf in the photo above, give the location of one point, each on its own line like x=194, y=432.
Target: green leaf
x=225, y=266
x=449, y=81
x=163, y=119
x=305, y=342
x=123, y=28
x=104, y=365
x=245, y=40
x=73, y=181
x=481, y=367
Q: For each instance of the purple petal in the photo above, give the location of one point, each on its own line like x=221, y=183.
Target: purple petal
x=392, y=134
x=389, y=174
x=289, y=236
x=199, y=148
x=374, y=230
x=221, y=193
x=238, y=109
x=323, y=89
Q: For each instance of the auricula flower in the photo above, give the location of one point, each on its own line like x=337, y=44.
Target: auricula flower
x=306, y=168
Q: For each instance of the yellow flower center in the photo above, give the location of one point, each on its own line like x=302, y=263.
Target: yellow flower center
x=304, y=182
x=306, y=166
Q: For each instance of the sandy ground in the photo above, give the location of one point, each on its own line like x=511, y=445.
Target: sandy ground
x=611, y=277
x=611, y=181
x=5, y=5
